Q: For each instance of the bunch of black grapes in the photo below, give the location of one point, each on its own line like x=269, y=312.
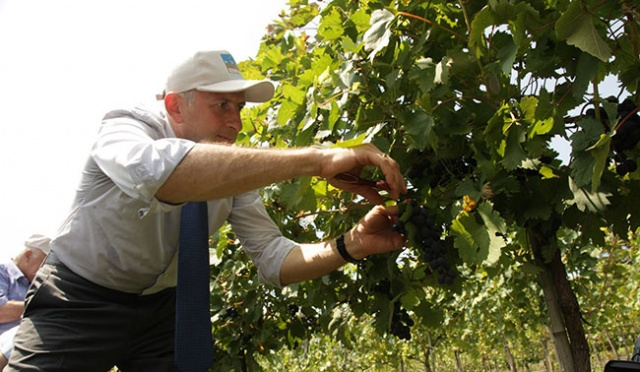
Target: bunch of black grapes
x=627, y=134
x=626, y=137
x=425, y=237
x=230, y=313
x=401, y=321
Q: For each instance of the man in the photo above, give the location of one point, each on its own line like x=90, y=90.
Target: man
x=15, y=277
x=106, y=294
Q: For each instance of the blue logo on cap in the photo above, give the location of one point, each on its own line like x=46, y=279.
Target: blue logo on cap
x=232, y=67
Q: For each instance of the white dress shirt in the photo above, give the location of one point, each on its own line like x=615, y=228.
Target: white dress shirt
x=118, y=235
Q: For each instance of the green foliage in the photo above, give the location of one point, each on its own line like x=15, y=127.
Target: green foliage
x=467, y=97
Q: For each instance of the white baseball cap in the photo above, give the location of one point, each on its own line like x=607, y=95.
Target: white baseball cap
x=216, y=71
x=39, y=241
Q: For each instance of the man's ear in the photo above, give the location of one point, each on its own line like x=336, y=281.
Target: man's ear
x=173, y=107
x=27, y=254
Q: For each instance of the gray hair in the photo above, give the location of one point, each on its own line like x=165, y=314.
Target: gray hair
x=189, y=96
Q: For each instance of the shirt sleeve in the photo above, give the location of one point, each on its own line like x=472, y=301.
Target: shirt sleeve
x=6, y=341
x=137, y=156
x=4, y=285
x=260, y=236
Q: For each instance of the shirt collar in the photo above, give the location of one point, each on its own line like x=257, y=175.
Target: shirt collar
x=13, y=270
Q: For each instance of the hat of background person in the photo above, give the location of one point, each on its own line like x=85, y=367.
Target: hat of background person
x=38, y=241
x=216, y=71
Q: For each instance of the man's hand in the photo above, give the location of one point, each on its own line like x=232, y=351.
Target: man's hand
x=374, y=233
x=366, y=188
x=352, y=160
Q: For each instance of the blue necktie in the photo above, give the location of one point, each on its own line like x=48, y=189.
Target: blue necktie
x=194, y=344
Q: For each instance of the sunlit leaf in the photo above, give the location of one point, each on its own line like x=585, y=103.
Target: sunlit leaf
x=359, y=140
x=481, y=21
x=377, y=36
x=600, y=152
x=588, y=201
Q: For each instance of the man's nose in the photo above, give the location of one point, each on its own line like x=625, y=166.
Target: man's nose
x=235, y=122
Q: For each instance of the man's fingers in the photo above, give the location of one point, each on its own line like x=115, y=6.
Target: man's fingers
x=394, y=178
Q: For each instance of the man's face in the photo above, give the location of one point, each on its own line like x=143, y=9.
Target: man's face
x=30, y=262
x=212, y=117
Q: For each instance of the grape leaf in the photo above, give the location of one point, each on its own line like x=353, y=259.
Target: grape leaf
x=430, y=315
x=377, y=36
x=592, y=201
x=419, y=127
x=495, y=227
x=331, y=27
x=507, y=56
x=586, y=70
x=481, y=21
x=514, y=154
x=299, y=195
x=577, y=28
x=567, y=24
x=442, y=71
x=357, y=141
x=600, y=152
x=476, y=242
x=423, y=73
x=584, y=163
x=286, y=111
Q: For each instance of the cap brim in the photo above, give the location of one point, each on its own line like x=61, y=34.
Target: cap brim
x=254, y=90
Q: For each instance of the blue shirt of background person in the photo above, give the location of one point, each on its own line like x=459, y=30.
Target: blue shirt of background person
x=15, y=277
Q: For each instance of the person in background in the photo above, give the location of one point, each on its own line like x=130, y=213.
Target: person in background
x=15, y=277
x=110, y=279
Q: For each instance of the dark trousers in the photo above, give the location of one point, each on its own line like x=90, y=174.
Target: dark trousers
x=71, y=324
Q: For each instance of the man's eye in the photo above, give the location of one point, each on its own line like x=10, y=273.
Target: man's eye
x=228, y=106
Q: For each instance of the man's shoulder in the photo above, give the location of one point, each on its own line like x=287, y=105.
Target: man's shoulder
x=9, y=270
x=6, y=265
x=149, y=118
x=150, y=114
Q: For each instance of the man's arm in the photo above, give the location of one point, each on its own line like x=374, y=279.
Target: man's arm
x=11, y=310
x=372, y=235
x=211, y=171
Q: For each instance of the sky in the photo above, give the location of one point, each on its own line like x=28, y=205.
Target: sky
x=65, y=63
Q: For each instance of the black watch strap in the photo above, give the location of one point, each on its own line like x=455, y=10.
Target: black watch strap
x=343, y=250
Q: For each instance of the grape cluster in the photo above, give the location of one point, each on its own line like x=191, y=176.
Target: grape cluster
x=626, y=137
x=425, y=237
x=401, y=323
x=293, y=309
x=624, y=165
x=627, y=134
x=230, y=313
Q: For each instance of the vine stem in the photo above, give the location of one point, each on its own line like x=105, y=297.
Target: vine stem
x=627, y=117
x=434, y=24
